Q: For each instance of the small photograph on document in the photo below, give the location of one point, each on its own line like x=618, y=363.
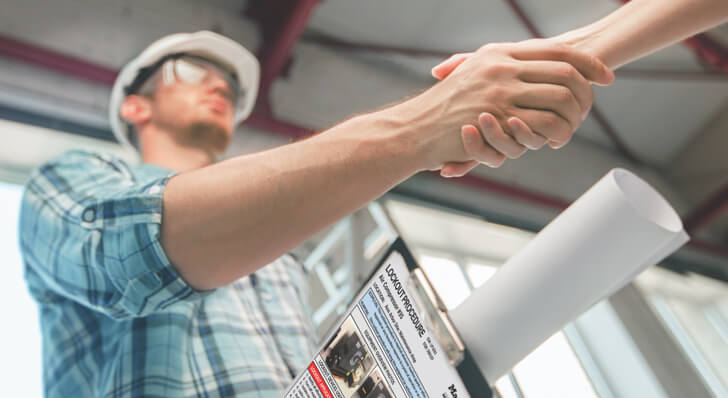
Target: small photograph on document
x=373, y=387
x=347, y=357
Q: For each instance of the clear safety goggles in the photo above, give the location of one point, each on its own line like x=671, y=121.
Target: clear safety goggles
x=193, y=70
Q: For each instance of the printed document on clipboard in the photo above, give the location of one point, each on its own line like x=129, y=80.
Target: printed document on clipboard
x=385, y=345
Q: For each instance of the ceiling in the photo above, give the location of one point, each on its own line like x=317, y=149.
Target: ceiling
x=352, y=56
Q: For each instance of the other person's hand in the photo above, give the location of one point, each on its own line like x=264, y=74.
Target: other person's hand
x=545, y=95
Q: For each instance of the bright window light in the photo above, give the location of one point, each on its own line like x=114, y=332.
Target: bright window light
x=20, y=341
x=505, y=388
x=479, y=273
x=553, y=370
x=448, y=279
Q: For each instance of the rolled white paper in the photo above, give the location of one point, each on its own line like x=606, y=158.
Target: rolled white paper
x=619, y=227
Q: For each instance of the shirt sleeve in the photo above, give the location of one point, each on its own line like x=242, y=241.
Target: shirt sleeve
x=90, y=232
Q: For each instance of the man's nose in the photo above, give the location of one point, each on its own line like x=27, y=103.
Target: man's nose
x=217, y=82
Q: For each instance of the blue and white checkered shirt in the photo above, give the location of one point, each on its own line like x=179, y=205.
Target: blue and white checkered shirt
x=118, y=320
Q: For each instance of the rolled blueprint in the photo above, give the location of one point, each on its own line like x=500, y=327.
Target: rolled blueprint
x=619, y=227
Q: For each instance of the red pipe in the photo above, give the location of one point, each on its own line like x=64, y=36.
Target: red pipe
x=708, y=210
x=275, y=58
x=709, y=50
x=58, y=62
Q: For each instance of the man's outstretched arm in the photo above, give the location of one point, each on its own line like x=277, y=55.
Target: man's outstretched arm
x=225, y=221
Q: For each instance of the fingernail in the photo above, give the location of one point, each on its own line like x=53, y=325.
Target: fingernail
x=485, y=119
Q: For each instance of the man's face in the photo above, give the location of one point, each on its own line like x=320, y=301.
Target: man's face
x=199, y=109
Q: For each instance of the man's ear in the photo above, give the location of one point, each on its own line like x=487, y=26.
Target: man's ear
x=136, y=109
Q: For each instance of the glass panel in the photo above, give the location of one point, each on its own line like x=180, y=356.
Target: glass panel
x=448, y=279
x=504, y=387
x=553, y=370
x=690, y=308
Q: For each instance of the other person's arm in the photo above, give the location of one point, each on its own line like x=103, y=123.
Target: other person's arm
x=634, y=30
x=641, y=27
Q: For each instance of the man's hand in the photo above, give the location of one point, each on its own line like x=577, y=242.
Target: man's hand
x=548, y=95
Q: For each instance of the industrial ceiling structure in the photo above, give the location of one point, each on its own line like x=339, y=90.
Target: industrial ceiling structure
x=665, y=117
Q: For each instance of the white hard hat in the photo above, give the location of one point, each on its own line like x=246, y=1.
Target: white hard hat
x=204, y=44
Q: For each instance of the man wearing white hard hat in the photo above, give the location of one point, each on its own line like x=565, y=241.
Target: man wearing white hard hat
x=171, y=278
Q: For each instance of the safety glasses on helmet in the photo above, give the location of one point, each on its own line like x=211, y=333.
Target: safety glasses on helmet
x=188, y=69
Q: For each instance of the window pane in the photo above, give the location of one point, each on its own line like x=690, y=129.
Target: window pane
x=505, y=388
x=553, y=370
x=690, y=308
x=448, y=279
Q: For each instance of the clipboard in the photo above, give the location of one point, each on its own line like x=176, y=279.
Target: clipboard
x=394, y=341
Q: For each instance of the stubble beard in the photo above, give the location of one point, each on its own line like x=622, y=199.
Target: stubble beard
x=207, y=135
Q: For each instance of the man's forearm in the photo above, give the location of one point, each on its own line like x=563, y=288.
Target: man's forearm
x=227, y=220
x=641, y=27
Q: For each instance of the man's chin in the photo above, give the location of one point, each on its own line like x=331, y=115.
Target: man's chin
x=212, y=135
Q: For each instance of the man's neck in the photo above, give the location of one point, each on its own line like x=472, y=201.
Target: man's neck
x=163, y=150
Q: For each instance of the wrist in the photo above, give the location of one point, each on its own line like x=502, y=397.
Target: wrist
x=422, y=124
x=408, y=126
x=384, y=139
x=582, y=39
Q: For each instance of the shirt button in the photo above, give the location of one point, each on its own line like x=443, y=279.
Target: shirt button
x=154, y=189
x=89, y=214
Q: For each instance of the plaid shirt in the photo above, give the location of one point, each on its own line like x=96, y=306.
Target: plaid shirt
x=118, y=320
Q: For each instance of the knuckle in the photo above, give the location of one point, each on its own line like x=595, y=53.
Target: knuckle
x=496, y=46
x=499, y=69
x=563, y=95
x=567, y=71
x=490, y=47
x=497, y=91
x=551, y=122
x=559, y=49
x=564, y=49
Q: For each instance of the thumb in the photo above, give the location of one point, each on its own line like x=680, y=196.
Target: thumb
x=604, y=75
x=444, y=68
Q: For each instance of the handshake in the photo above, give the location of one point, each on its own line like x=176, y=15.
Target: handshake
x=507, y=98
